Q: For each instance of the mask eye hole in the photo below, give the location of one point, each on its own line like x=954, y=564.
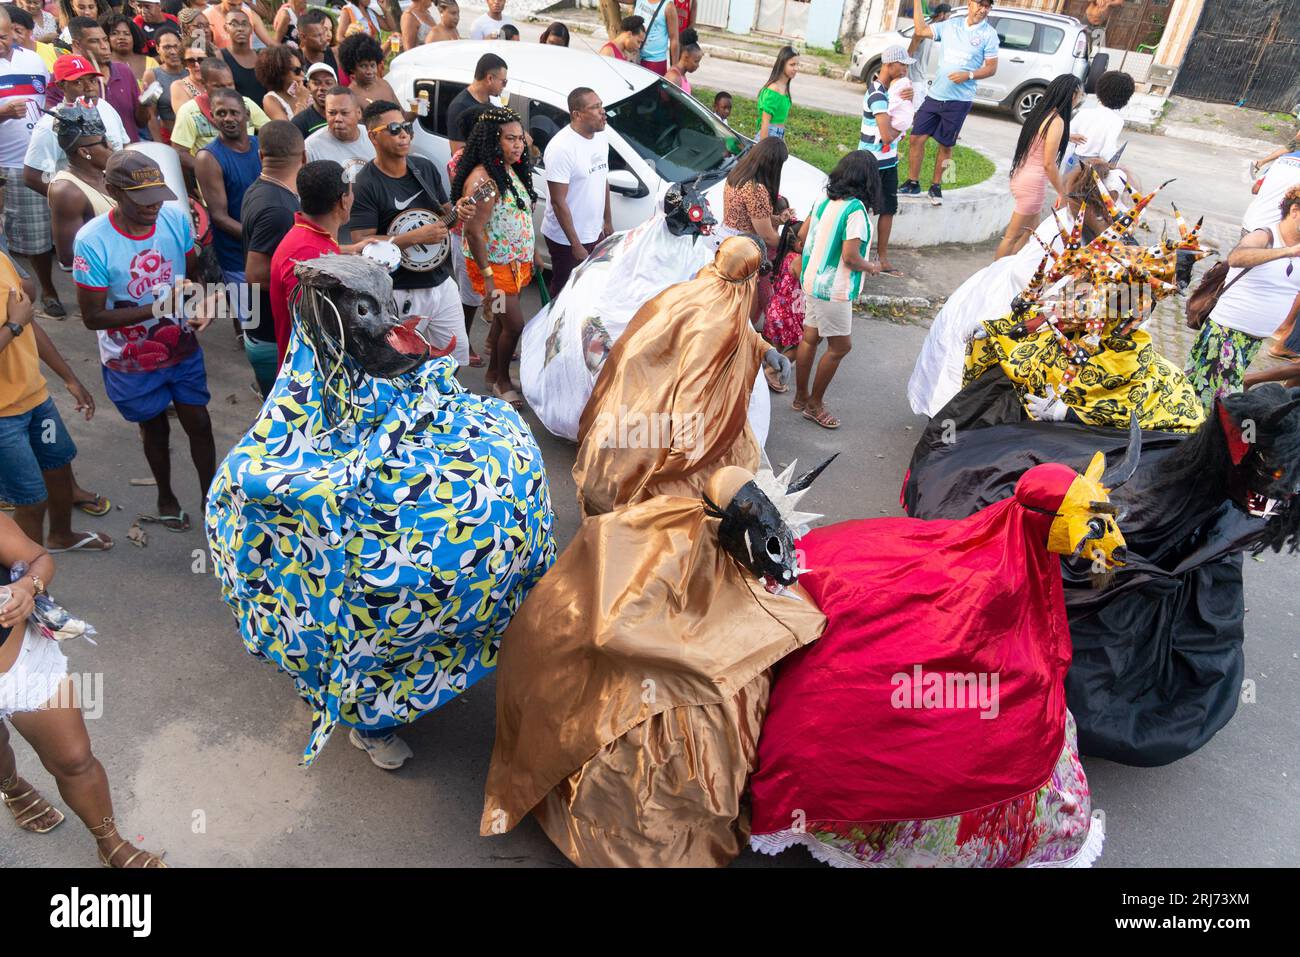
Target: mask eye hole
x=774, y=550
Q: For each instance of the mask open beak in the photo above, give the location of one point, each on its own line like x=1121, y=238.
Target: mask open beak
x=404, y=338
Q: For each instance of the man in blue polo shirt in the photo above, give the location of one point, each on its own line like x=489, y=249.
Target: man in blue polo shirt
x=968, y=52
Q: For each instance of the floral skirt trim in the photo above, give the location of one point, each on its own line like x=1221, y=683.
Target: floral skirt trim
x=1218, y=361
x=1050, y=827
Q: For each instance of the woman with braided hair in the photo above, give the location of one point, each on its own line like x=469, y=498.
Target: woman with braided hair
x=502, y=248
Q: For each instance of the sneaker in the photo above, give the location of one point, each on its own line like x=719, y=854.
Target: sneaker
x=910, y=188
x=936, y=195
x=53, y=308
x=388, y=752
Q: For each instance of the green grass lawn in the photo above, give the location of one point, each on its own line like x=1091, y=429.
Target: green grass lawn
x=821, y=138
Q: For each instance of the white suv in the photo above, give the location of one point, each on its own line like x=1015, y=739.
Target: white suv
x=1036, y=48
x=657, y=134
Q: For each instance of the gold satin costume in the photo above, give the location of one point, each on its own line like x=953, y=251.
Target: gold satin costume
x=689, y=358
x=631, y=689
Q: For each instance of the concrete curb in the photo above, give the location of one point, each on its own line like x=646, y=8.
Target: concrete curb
x=1247, y=146
x=972, y=214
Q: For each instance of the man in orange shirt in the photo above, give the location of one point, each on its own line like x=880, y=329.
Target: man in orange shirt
x=34, y=443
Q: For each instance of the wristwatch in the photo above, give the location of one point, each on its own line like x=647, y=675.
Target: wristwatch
x=15, y=330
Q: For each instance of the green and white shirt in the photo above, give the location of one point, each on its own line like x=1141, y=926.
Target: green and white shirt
x=825, y=275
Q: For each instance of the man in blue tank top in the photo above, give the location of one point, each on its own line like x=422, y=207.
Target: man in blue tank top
x=225, y=168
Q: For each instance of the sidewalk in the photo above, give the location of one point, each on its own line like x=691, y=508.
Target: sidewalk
x=759, y=50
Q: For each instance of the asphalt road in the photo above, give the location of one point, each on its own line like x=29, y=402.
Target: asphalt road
x=201, y=742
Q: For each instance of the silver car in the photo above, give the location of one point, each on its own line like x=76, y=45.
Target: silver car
x=1037, y=47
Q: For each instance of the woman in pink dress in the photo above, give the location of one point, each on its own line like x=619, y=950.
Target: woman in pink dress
x=1038, y=157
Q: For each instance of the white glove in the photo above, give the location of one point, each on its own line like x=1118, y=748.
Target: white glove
x=781, y=365
x=1047, y=408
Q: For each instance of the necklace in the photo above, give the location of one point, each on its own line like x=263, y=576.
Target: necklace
x=272, y=179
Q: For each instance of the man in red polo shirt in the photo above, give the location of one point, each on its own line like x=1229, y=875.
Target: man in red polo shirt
x=326, y=206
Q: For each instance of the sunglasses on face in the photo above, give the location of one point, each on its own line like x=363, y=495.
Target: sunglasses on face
x=91, y=146
x=193, y=61
x=396, y=129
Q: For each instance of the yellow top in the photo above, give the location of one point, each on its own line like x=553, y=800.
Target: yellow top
x=22, y=387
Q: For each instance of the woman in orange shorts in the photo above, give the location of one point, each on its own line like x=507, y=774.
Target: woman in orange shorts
x=502, y=253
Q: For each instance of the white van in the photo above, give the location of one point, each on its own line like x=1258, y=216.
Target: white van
x=657, y=134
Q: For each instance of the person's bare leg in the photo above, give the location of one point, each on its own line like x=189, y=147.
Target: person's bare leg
x=803, y=360
x=58, y=736
x=31, y=519
x=42, y=264
x=16, y=785
x=941, y=163
x=157, y=451
x=915, y=157
x=469, y=328
x=59, y=488
x=1015, y=236
x=837, y=347
x=203, y=449
x=884, y=225
x=511, y=325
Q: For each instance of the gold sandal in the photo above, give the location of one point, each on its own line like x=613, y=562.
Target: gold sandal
x=151, y=859
x=32, y=811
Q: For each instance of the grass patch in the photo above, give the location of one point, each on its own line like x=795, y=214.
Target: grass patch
x=1266, y=127
x=836, y=57
x=822, y=138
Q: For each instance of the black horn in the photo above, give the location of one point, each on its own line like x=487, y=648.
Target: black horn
x=803, y=481
x=1117, y=476
x=1275, y=417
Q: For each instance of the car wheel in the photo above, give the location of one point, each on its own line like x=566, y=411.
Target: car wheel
x=872, y=72
x=1026, y=100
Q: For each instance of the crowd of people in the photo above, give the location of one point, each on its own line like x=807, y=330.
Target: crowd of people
x=291, y=147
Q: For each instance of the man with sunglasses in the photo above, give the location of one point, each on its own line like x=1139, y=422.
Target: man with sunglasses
x=394, y=183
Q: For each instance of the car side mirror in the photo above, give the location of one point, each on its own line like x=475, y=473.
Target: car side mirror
x=625, y=183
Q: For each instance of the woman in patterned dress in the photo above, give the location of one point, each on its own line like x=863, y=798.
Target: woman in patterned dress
x=502, y=251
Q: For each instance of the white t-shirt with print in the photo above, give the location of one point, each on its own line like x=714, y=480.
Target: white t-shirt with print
x=23, y=76
x=324, y=145
x=584, y=165
x=43, y=152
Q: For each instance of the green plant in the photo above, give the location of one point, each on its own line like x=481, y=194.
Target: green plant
x=1266, y=127
x=821, y=138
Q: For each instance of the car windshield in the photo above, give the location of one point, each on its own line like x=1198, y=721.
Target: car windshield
x=674, y=133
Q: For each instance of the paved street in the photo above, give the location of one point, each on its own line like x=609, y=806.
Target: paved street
x=201, y=742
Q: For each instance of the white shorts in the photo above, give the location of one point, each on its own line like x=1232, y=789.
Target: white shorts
x=828, y=318
x=468, y=297
x=35, y=677
x=442, y=318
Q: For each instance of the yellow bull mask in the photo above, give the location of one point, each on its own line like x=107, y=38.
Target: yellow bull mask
x=1086, y=521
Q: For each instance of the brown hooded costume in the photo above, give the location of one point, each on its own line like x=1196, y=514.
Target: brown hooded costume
x=632, y=686
x=669, y=408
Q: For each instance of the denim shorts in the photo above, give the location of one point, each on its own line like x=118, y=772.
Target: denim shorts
x=31, y=443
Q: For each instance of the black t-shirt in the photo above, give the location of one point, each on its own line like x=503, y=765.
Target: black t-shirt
x=309, y=121
x=460, y=104
x=173, y=7
x=267, y=216
x=378, y=199
x=246, y=81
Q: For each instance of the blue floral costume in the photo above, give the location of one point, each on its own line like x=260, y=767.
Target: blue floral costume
x=379, y=562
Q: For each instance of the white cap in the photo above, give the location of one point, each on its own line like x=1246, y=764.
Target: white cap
x=318, y=67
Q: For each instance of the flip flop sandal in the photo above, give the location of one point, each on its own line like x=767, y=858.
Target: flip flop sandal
x=173, y=523
x=773, y=383
x=53, y=308
x=84, y=544
x=822, y=418
x=476, y=361
x=97, y=507
x=7, y=506
x=797, y=405
x=33, y=808
x=892, y=271
x=511, y=396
